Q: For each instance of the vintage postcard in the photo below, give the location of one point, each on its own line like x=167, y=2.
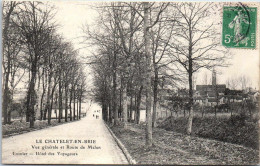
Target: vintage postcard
x=121, y=82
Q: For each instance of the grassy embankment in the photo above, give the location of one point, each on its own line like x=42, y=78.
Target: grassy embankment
x=174, y=147
x=18, y=127
x=235, y=129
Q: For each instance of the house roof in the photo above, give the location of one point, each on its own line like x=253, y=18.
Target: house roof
x=208, y=87
x=233, y=92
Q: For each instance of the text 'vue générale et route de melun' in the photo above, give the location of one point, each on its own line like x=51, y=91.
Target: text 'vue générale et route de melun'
x=65, y=145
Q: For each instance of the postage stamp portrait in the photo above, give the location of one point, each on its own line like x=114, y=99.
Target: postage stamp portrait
x=239, y=27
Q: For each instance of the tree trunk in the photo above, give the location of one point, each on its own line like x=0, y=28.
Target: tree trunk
x=155, y=92
x=80, y=101
x=47, y=107
x=114, y=65
x=50, y=111
x=135, y=106
x=74, y=104
x=51, y=104
x=70, y=104
x=66, y=102
x=9, y=116
x=114, y=98
x=107, y=110
x=147, y=44
x=6, y=98
x=42, y=96
x=131, y=108
x=80, y=107
x=189, y=125
x=60, y=101
x=139, y=98
x=45, y=113
x=56, y=113
x=104, y=111
x=7, y=74
x=110, y=111
x=31, y=94
x=77, y=109
x=120, y=103
x=124, y=95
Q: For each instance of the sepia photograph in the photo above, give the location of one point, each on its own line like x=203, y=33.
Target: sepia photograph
x=124, y=82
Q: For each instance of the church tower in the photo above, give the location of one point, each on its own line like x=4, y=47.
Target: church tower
x=214, y=78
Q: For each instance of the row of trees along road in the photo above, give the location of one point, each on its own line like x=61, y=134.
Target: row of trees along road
x=33, y=48
x=141, y=47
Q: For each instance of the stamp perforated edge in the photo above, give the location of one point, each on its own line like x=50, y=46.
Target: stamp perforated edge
x=249, y=4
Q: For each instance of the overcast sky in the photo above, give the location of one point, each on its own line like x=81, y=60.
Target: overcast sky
x=72, y=15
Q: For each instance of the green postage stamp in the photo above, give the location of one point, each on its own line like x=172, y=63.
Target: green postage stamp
x=239, y=26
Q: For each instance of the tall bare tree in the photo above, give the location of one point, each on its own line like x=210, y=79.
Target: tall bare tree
x=148, y=24
x=10, y=48
x=196, y=45
x=34, y=22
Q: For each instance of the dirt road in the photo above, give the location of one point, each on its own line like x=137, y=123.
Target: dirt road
x=83, y=142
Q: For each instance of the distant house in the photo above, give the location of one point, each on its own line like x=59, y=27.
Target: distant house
x=233, y=92
x=210, y=95
x=235, y=96
x=210, y=90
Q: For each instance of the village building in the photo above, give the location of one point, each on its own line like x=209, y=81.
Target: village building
x=210, y=95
